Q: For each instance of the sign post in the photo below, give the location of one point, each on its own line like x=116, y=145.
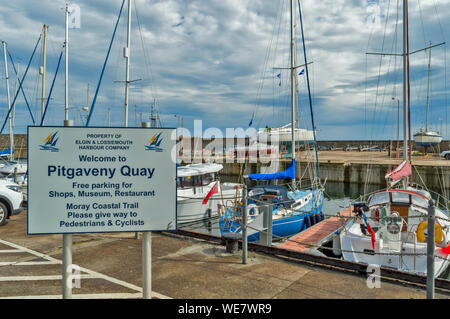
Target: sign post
x=147, y=265
x=67, y=255
x=97, y=180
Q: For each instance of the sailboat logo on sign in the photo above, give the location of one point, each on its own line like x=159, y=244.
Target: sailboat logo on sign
x=154, y=143
x=50, y=142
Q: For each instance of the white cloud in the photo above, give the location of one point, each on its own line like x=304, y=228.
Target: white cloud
x=207, y=60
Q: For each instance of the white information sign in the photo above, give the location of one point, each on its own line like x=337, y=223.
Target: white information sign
x=90, y=180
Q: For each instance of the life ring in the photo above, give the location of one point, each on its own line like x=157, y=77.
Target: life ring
x=439, y=236
x=253, y=210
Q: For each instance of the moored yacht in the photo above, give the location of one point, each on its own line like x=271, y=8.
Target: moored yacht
x=200, y=193
x=390, y=230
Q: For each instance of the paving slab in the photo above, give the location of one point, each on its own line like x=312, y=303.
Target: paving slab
x=182, y=268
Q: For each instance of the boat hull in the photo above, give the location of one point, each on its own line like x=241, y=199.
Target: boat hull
x=8, y=168
x=282, y=227
x=190, y=207
x=427, y=139
x=283, y=224
x=284, y=135
x=412, y=258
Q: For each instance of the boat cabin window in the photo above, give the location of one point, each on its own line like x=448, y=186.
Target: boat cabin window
x=197, y=180
x=185, y=182
x=379, y=198
x=255, y=192
x=398, y=197
x=208, y=178
x=419, y=201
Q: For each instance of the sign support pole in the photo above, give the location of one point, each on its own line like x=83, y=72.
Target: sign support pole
x=147, y=265
x=146, y=256
x=67, y=266
x=67, y=255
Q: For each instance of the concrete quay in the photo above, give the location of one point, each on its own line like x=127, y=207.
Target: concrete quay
x=351, y=167
x=182, y=268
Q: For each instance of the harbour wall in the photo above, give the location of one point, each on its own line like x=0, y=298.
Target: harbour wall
x=436, y=178
x=194, y=143
x=20, y=140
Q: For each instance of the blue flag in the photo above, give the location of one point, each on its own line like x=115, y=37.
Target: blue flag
x=251, y=121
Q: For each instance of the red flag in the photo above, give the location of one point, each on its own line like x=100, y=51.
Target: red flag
x=446, y=250
x=372, y=234
x=211, y=192
x=404, y=169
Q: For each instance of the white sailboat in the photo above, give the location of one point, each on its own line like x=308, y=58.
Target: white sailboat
x=201, y=194
x=10, y=166
x=284, y=134
x=390, y=228
x=293, y=209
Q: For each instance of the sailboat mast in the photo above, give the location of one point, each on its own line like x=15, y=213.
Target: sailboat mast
x=405, y=32
x=13, y=111
x=428, y=90
x=309, y=91
x=66, y=51
x=126, y=54
x=44, y=66
x=292, y=88
x=8, y=97
x=153, y=115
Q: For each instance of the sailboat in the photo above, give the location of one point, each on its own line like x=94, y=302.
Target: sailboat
x=427, y=138
x=283, y=135
x=10, y=166
x=199, y=189
x=389, y=229
x=293, y=210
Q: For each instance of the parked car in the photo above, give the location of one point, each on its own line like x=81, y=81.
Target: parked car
x=446, y=154
x=11, y=198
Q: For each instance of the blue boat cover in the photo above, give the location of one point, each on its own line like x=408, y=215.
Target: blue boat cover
x=5, y=152
x=289, y=173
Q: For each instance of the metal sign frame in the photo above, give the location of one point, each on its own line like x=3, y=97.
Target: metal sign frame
x=148, y=163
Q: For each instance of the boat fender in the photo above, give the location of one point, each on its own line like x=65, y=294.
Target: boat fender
x=337, y=250
x=307, y=221
x=376, y=215
x=439, y=236
x=316, y=218
x=313, y=218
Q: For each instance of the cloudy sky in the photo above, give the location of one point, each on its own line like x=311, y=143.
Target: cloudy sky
x=216, y=60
